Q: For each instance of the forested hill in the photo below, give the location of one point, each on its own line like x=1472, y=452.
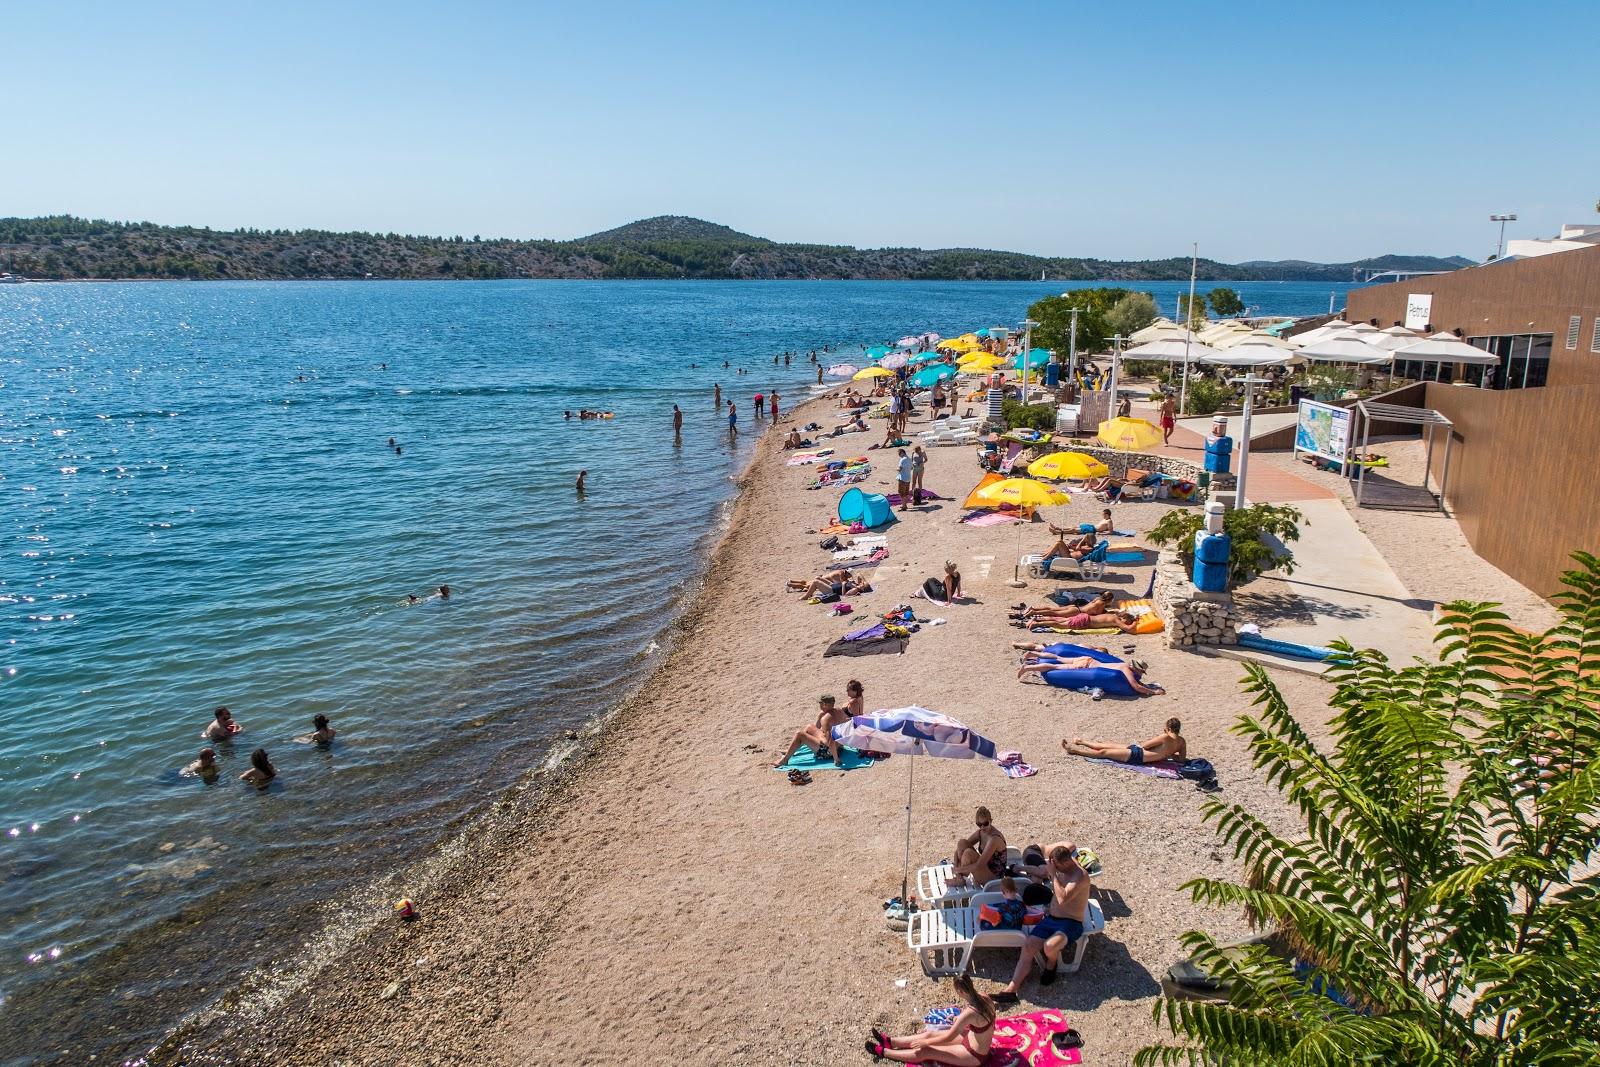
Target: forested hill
x=668, y=246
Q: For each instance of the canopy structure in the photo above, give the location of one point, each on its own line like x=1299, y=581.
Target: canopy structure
x=1321, y=333
x=1172, y=350
x=893, y=361
x=1346, y=347
x=1251, y=337
x=1158, y=329
x=1393, y=338
x=1444, y=347
x=1384, y=492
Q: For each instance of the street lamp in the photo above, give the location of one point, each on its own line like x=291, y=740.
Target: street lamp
x=1502, y=220
x=1027, y=349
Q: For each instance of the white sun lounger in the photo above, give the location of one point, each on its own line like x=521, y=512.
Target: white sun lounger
x=943, y=938
x=1064, y=567
x=933, y=882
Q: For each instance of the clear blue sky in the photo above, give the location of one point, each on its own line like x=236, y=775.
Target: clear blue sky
x=1265, y=130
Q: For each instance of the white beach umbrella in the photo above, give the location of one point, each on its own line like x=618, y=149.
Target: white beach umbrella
x=1320, y=333
x=1346, y=347
x=1252, y=337
x=893, y=361
x=1444, y=347
x=1395, y=337
x=1158, y=329
x=1254, y=353
x=1171, y=350
x=1362, y=327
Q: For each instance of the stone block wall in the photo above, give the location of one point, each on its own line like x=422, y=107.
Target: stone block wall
x=1193, y=617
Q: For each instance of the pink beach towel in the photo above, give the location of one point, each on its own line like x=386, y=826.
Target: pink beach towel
x=1164, y=769
x=1024, y=1041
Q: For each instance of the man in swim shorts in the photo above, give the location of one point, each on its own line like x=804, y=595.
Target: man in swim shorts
x=1169, y=744
x=819, y=735
x=1062, y=925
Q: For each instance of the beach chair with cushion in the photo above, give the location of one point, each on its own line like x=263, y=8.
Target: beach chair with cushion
x=943, y=938
x=1091, y=567
x=933, y=882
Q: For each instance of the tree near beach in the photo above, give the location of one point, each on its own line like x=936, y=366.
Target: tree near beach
x=1095, y=306
x=1225, y=302
x=1441, y=905
x=1132, y=313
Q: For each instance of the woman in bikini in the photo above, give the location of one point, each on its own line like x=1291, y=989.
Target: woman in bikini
x=965, y=1044
x=981, y=855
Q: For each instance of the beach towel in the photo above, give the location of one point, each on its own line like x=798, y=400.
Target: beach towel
x=806, y=760
x=1026, y=1041
x=1088, y=527
x=1124, y=557
x=991, y=518
x=1165, y=769
x=801, y=459
x=880, y=646
x=927, y=494
x=1019, y=769
x=1066, y=630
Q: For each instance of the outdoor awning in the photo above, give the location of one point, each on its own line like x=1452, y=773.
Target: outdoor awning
x=1171, y=350
x=1345, y=347
x=1446, y=348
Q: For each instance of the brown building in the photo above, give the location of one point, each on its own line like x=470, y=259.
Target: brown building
x=1525, y=472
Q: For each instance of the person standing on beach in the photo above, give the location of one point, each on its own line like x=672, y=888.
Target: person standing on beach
x=772, y=403
x=919, y=460
x=677, y=421
x=1169, y=418
x=894, y=413
x=581, y=476
x=904, y=476
x=733, y=420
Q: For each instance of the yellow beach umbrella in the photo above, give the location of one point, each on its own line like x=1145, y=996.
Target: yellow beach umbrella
x=1022, y=493
x=873, y=372
x=1134, y=435
x=974, y=370
x=1068, y=465
x=980, y=359
x=970, y=338
x=958, y=345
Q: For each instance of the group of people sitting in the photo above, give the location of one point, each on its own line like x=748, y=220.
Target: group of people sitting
x=830, y=585
x=818, y=736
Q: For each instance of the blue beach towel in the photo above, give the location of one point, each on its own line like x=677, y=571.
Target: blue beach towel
x=806, y=760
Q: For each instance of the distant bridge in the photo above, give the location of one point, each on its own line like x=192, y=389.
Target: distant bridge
x=1366, y=275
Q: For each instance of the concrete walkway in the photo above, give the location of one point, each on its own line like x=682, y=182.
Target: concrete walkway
x=1341, y=586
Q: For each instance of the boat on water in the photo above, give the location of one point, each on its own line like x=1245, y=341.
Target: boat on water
x=11, y=279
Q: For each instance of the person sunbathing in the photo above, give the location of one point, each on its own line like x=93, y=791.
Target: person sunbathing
x=1098, y=605
x=818, y=737
x=1085, y=620
x=1168, y=744
x=855, y=425
x=1133, y=671
x=965, y=1043
x=1077, y=548
x=981, y=855
x=835, y=583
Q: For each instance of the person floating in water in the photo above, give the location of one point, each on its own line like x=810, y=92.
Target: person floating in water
x=582, y=475
x=724, y=364
x=221, y=727
x=321, y=733
x=261, y=772
x=205, y=768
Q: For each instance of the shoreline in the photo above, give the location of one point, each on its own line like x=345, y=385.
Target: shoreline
x=514, y=819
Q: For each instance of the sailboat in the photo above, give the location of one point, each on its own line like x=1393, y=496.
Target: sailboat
x=1041, y=275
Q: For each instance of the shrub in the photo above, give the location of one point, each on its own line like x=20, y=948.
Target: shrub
x=1442, y=884
x=1031, y=416
x=1251, y=555
x=1207, y=395
x=1145, y=368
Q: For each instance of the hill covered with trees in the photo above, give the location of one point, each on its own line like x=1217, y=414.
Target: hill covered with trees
x=62, y=247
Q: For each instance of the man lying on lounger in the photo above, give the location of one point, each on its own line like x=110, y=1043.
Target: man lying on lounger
x=1168, y=744
x=1062, y=925
x=1133, y=670
x=818, y=737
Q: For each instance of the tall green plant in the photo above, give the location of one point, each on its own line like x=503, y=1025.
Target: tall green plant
x=1444, y=882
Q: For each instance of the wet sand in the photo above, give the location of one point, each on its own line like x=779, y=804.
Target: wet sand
x=670, y=898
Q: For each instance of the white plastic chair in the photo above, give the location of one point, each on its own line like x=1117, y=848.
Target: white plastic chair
x=943, y=938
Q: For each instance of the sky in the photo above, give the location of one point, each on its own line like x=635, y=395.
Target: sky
x=1120, y=131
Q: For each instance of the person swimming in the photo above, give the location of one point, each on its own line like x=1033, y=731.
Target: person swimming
x=205, y=767
x=261, y=772
x=321, y=733
x=443, y=592
x=221, y=727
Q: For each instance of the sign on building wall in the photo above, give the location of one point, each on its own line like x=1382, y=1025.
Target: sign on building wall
x=1322, y=430
x=1419, y=310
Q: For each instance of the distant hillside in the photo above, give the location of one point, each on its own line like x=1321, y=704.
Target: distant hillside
x=668, y=246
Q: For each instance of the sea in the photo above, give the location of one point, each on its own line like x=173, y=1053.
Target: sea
x=201, y=507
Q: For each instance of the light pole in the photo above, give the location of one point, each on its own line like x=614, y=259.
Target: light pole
x=1502, y=220
x=1027, y=349
x=1072, y=357
x=1188, y=332
x=1249, y=381
x=1116, y=352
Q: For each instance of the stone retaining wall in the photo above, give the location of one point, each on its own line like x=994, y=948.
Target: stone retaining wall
x=1193, y=617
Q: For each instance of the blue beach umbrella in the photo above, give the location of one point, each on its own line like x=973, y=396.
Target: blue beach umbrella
x=924, y=357
x=913, y=732
x=981, y=333
x=936, y=373
x=877, y=351
x=1037, y=357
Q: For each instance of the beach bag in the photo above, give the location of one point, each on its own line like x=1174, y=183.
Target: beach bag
x=1036, y=894
x=830, y=543
x=1198, y=770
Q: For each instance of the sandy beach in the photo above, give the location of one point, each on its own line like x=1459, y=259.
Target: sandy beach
x=670, y=897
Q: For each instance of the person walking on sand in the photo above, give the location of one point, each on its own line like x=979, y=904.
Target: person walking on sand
x=733, y=420
x=582, y=475
x=904, y=477
x=1169, y=418
x=677, y=421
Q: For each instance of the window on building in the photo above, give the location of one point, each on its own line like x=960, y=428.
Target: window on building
x=1574, y=325
x=1524, y=359
x=1594, y=343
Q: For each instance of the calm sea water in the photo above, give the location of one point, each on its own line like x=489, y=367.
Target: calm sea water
x=188, y=523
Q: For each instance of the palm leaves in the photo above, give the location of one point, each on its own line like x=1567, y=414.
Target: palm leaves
x=1441, y=906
